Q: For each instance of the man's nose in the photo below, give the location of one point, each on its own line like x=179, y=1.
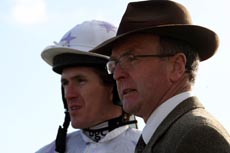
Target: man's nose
x=119, y=73
x=71, y=91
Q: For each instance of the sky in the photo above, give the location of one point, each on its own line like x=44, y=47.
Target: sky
x=30, y=91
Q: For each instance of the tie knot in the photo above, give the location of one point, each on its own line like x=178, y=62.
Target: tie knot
x=140, y=145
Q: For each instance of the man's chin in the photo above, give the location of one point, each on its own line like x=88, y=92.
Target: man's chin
x=128, y=106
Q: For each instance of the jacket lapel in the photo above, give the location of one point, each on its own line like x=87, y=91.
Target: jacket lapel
x=187, y=105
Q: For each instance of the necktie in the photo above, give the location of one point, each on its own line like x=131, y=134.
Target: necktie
x=140, y=145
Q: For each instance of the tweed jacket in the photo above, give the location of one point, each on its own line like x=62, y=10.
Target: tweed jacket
x=189, y=128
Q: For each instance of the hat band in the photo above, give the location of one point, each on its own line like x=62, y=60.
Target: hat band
x=68, y=60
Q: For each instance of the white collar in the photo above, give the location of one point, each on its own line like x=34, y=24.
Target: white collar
x=160, y=114
x=112, y=134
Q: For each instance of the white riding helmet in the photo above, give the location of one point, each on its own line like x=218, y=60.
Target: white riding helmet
x=80, y=40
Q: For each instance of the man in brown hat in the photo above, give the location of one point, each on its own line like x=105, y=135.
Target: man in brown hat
x=154, y=59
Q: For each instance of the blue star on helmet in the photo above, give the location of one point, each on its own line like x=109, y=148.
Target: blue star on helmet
x=108, y=27
x=66, y=40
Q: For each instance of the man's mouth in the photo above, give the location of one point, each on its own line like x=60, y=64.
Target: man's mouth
x=73, y=108
x=127, y=91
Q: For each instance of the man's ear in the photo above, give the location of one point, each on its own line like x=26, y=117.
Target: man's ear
x=178, y=63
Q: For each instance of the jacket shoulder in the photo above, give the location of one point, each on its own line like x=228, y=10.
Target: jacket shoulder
x=196, y=131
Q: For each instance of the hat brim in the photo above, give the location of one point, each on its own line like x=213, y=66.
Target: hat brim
x=50, y=52
x=202, y=39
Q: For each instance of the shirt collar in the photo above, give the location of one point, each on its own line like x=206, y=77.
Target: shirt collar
x=160, y=114
x=114, y=133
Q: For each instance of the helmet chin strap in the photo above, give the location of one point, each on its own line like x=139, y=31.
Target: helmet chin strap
x=62, y=130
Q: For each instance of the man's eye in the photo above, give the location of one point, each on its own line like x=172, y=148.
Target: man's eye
x=81, y=81
x=130, y=58
x=64, y=83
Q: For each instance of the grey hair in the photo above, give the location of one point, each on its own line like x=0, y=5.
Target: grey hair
x=174, y=46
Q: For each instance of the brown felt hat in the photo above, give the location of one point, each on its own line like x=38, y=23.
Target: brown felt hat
x=164, y=18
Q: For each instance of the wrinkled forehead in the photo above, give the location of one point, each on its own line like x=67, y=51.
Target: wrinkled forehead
x=136, y=43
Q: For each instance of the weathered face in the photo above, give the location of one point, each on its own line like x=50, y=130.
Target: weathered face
x=89, y=101
x=141, y=82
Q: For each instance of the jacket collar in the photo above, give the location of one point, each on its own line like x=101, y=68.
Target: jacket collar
x=184, y=107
